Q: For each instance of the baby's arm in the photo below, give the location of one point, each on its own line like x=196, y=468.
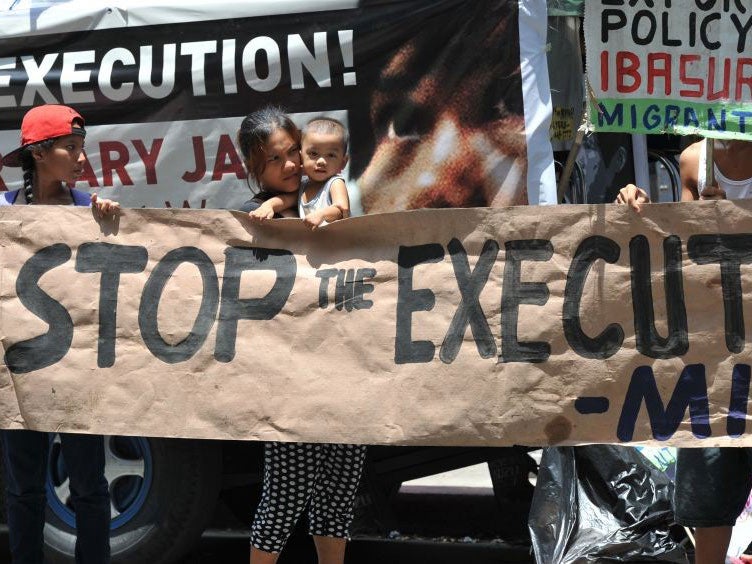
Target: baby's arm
x=339, y=209
x=276, y=204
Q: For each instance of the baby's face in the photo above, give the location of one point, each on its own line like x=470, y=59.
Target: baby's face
x=323, y=155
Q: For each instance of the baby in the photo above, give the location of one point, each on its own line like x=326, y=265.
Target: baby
x=323, y=196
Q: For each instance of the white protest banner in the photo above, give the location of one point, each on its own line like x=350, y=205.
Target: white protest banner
x=673, y=66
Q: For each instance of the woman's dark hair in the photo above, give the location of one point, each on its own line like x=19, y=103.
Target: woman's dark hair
x=254, y=133
x=28, y=166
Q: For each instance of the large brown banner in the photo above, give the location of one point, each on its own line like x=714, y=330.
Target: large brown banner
x=521, y=325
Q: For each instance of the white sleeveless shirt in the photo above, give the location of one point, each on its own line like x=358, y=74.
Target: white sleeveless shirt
x=320, y=201
x=735, y=189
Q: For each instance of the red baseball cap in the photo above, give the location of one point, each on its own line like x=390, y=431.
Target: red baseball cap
x=42, y=123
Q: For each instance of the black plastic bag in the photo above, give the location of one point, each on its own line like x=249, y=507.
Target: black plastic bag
x=602, y=503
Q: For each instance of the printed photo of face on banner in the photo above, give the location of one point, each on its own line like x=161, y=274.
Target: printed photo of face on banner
x=447, y=115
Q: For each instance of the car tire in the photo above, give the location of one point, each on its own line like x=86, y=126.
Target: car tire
x=184, y=481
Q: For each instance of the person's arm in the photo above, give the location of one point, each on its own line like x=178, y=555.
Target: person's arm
x=274, y=205
x=104, y=207
x=689, y=168
x=339, y=209
x=633, y=196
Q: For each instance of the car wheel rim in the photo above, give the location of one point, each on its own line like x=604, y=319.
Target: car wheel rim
x=128, y=469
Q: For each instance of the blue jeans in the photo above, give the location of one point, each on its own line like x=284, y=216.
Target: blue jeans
x=25, y=459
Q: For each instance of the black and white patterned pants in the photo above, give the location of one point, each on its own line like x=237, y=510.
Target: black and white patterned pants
x=323, y=476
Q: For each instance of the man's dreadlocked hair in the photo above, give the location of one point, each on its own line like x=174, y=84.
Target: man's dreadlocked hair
x=28, y=166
